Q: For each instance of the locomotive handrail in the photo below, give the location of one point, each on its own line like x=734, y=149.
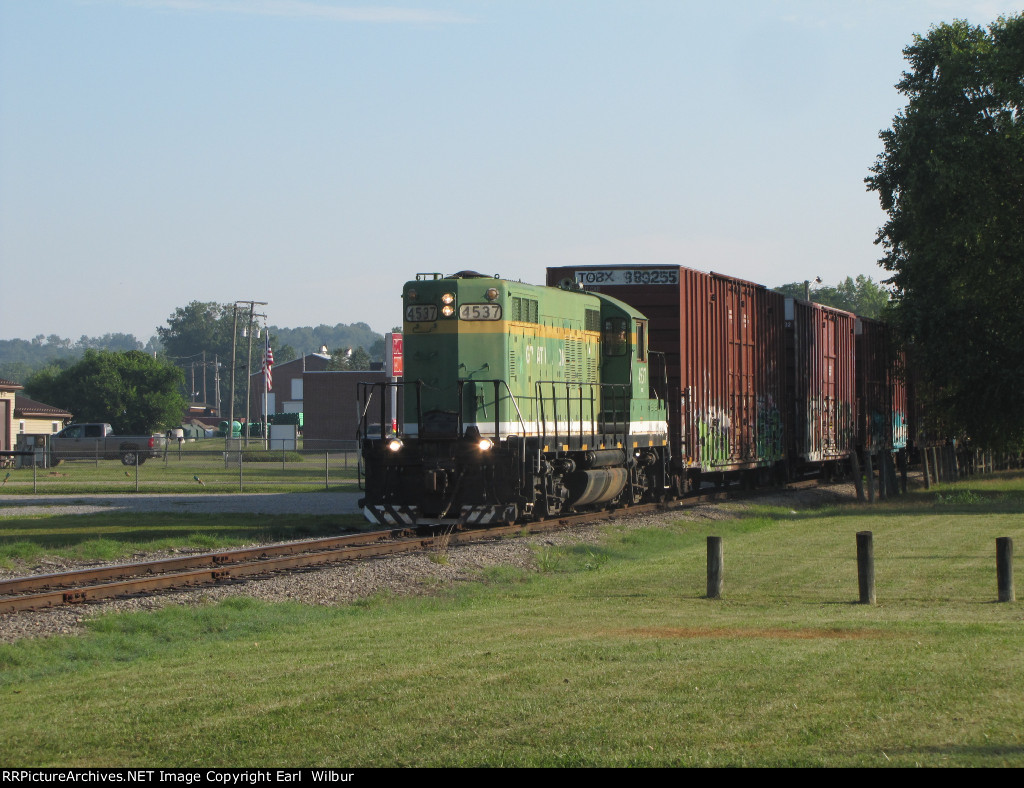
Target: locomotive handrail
x=614, y=389
x=365, y=393
x=498, y=383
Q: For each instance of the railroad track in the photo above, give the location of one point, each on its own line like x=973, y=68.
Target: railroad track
x=39, y=592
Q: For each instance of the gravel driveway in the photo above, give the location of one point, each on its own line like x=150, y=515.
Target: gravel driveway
x=251, y=503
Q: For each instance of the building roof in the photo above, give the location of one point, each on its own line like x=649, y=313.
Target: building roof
x=29, y=408
x=309, y=362
x=9, y=385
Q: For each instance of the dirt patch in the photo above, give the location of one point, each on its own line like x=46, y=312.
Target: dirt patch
x=732, y=633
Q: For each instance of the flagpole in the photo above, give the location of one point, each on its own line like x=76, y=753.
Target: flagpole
x=266, y=389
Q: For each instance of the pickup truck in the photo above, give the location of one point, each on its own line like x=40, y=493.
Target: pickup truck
x=98, y=441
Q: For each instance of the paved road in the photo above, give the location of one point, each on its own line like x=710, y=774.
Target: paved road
x=251, y=503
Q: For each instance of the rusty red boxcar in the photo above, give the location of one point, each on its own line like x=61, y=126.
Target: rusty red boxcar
x=821, y=384
x=723, y=341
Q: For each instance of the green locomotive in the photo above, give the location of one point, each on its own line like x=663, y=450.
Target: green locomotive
x=519, y=402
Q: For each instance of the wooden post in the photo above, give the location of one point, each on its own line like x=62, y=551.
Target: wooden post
x=869, y=473
x=894, y=482
x=866, y=567
x=715, y=567
x=858, y=482
x=1004, y=568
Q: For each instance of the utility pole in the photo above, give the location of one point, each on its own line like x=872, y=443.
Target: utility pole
x=248, y=372
x=234, y=357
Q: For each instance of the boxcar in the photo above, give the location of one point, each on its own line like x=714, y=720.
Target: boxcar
x=882, y=401
x=723, y=341
x=821, y=386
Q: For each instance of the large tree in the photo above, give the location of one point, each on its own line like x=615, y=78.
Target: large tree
x=951, y=178
x=131, y=390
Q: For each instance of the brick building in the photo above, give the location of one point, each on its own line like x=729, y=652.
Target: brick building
x=326, y=400
x=332, y=409
x=286, y=394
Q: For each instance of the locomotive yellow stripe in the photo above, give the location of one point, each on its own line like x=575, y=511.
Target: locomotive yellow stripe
x=486, y=327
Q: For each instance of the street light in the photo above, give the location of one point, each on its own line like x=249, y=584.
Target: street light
x=807, y=287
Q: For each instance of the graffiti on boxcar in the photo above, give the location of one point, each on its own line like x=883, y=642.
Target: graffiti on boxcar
x=770, y=434
x=713, y=429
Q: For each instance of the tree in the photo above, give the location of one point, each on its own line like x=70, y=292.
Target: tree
x=131, y=390
x=951, y=179
x=200, y=334
x=861, y=296
x=347, y=359
x=200, y=326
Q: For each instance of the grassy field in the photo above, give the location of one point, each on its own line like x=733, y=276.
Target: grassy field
x=605, y=656
x=192, y=470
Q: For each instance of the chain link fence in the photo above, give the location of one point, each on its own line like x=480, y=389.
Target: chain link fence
x=214, y=465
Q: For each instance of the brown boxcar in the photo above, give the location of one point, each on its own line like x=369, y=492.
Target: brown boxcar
x=882, y=412
x=723, y=340
x=821, y=388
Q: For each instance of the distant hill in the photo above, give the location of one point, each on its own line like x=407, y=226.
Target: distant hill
x=22, y=358
x=309, y=339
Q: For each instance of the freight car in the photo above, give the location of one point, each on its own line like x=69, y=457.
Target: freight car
x=520, y=401
x=884, y=413
x=821, y=387
x=760, y=387
x=725, y=348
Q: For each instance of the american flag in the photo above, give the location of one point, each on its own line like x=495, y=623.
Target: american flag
x=268, y=364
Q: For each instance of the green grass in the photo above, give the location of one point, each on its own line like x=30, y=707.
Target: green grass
x=608, y=656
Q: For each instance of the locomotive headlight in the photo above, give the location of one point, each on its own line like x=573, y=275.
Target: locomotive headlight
x=491, y=294
x=411, y=295
x=486, y=444
x=447, y=310
x=395, y=444
x=448, y=298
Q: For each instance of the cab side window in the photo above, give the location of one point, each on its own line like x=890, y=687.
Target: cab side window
x=641, y=340
x=616, y=336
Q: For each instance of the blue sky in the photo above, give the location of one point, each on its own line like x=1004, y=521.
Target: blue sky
x=317, y=154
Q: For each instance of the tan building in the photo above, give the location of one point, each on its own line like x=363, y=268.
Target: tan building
x=26, y=425
x=35, y=422
x=8, y=391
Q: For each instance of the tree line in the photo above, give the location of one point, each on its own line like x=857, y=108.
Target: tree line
x=951, y=180
x=862, y=296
